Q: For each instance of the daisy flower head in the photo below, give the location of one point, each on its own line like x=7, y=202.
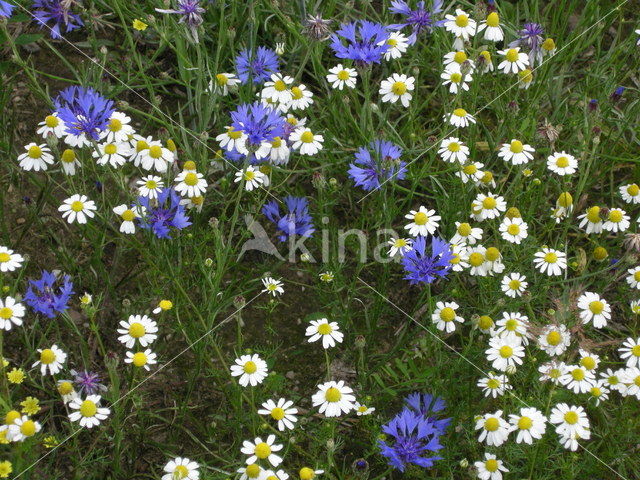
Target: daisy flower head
x=504, y=352
x=494, y=430
x=323, y=329
x=37, y=157
x=252, y=472
x=52, y=125
x=476, y=256
x=630, y=377
x=334, y=399
x=128, y=215
x=530, y=425
x=156, y=157
x=634, y=306
x=457, y=60
x=577, y=379
x=88, y=412
x=262, y=450
x=223, y=83
x=77, y=208
x=630, y=193
x=397, y=87
x=456, y=80
x=459, y=258
x=69, y=161
x=233, y=140
x=599, y=391
x=278, y=89
x=490, y=468
x=513, y=324
x=399, y=246
x=487, y=206
x=460, y=118
x=326, y=277
x=633, y=277
x=397, y=43
x=514, y=60
x=251, y=369
x=550, y=261
x=114, y=154
x=514, y=284
x=181, y=468
x=282, y=412
x=117, y=129
x=589, y=360
x=424, y=222
x=142, y=359
x=595, y=309
x=485, y=62
x=307, y=142
x=363, y=42
x=562, y=163
x=306, y=473
x=301, y=97
x=516, y=152
x=525, y=78
x=66, y=390
x=445, y=316
x=630, y=352
x=494, y=385
x=552, y=371
x=340, y=77
x=190, y=184
x=466, y=234
x=362, y=410
x=150, y=186
x=564, y=206
x=137, y=328
x=424, y=267
x=554, y=339
x=591, y=221
x=485, y=324
x=51, y=359
x=9, y=260
x=492, y=29
x=453, y=150
x=617, y=221
x=470, y=172
x=251, y=176
x=613, y=380
x=22, y=428
x=570, y=420
x=272, y=286
x=461, y=25
x=514, y=230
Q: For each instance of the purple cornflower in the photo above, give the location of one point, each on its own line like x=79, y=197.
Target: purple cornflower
x=531, y=36
x=191, y=12
x=88, y=383
x=47, y=298
x=426, y=405
x=413, y=438
x=84, y=111
x=377, y=163
x=257, y=66
x=167, y=215
x=617, y=94
x=6, y=9
x=420, y=20
x=261, y=123
x=421, y=266
x=295, y=221
x=58, y=12
x=366, y=42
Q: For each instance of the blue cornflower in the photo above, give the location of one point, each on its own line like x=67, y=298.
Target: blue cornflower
x=426, y=405
x=58, y=12
x=420, y=20
x=617, y=94
x=47, y=296
x=84, y=111
x=414, y=437
x=257, y=66
x=421, y=266
x=294, y=221
x=366, y=42
x=376, y=164
x=191, y=12
x=167, y=215
x=6, y=9
x=261, y=123
x=531, y=36
x=88, y=383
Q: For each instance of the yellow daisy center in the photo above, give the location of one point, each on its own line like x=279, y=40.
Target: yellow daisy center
x=233, y=134
x=455, y=77
x=392, y=42
x=493, y=383
x=550, y=257
x=571, y=417
x=513, y=229
x=77, y=206
x=11, y=416
x=565, y=200
x=516, y=146
x=420, y=218
x=277, y=413
x=525, y=423
x=506, y=351
x=476, y=259
x=263, y=450
x=485, y=322
x=296, y=92
x=276, y=142
x=139, y=359
x=252, y=470
x=399, y=88
x=68, y=156
x=306, y=473
x=462, y=20
x=470, y=169
x=28, y=428
x=633, y=190
x=343, y=75
x=493, y=20
x=191, y=179
x=511, y=324
x=4, y=257
x=137, y=330
x=324, y=329
x=491, y=424
x=141, y=145
x=110, y=149
x=65, y=388
x=128, y=215
x=512, y=55
x=578, y=374
x=554, y=338
x=453, y=147
x=88, y=408
x=307, y=137
x=464, y=229
x=47, y=356
x=249, y=175
x=250, y=367
x=460, y=112
x=222, y=79
x=115, y=125
x=492, y=254
x=489, y=203
x=51, y=121
x=447, y=314
x=588, y=362
x=34, y=151
x=460, y=57
x=491, y=465
x=596, y=307
x=180, y=472
x=155, y=151
x=635, y=351
x=562, y=162
x=6, y=313
x=333, y=395
x=615, y=216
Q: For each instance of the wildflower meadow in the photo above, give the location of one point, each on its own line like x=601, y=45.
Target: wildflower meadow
x=319, y=240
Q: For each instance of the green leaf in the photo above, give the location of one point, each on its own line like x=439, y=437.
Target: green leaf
x=27, y=38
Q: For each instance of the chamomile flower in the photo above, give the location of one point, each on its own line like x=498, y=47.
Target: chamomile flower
x=334, y=398
x=51, y=359
x=252, y=472
x=223, y=82
x=485, y=324
x=595, y=309
x=514, y=60
x=577, y=379
x=397, y=44
x=460, y=118
x=617, y=221
x=282, y=412
x=142, y=359
x=486, y=207
x=252, y=177
x=52, y=125
x=22, y=428
x=490, y=468
x=163, y=306
x=278, y=89
x=77, y=208
x=263, y=450
x=38, y=157
x=550, y=261
x=340, y=77
x=66, y=390
x=562, y=163
x=362, y=410
x=514, y=284
x=588, y=360
x=470, y=172
x=323, y=329
x=69, y=161
x=634, y=305
x=150, y=186
x=554, y=339
x=181, y=468
x=530, y=425
x=424, y=222
x=397, y=87
x=233, y=139
x=564, y=206
x=118, y=129
x=279, y=152
x=630, y=193
x=138, y=328
x=513, y=230
x=156, y=157
x=461, y=25
x=494, y=385
x=466, y=234
x=505, y=352
x=492, y=29
x=513, y=324
x=570, y=442
x=458, y=59
x=114, y=154
x=631, y=378
x=128, y=215
x=630, y=352
x=456, y=80
x=307, y=142
x=9, y=260
x=613, y=380
x=525, y=79
x=633, y=277
x=251, y=369
x=306, y=473
x=301, y=98
x=599, y=392
x=516, y=152
x=493, y=259
x=445, y=316
x=591, y=220
x=326, y=277
x=570, y=420
x=453, y=150
x=190, y=184
x=459, y=257
x=272, y=286
x=478, y=264
x=494, y=430
x=399, y=246
x=485, y=62
x=88, y=412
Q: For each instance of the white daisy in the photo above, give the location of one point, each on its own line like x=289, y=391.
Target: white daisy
x=11, y=313
x=69, y=161
x=599, y=392
x=251, y=369
x=460, y=118
x=494, y=430
x=492, y=29
x=515, y=325
x=459, y=59
x=486, y=207
x=118, y=129
x=252, y=177
x=278, y=88
x=233, y=139
x=445, y=316
x=77, y=208
x=262, y=450
x=552, y=371
x=562, y=163
x=578, y=379
x=51, y=359
x=466, y=234
x=138, y=328
x=128, y=215
x=150, y=186
x=514, y=284
x=397, y=87
x=570, y=420
x=334, y=399
x=453, y=150
x=398, y=44
x=190, y=184
x=115, y=154
x=551, y=261
x=88, y=411
x=530, y=425
x=460, y=24
x=554, y=339
x=272, y=286
x=38, y=157
x=301, y=97
x=424, y=222
x=52, y=125
x=282, y=412
x=490, y=468
x=340, y=77
x=588, y=360
x=181, y=468
x=617, y=221
x=630, y=193
x=22, y=428
x=513, y=230
x=593, y=308
x=485, y=62
x=156, y=157
x=141, y=359
x=630, y=352
x=633, y=279
x=459, y=257
x=591, y=220
x=516, y=152
x=613, y=380
x=362, y=410
x=279, y=151
x=470, y=172
x=514, y=60
x=494, y=385
x=329, y=332
x=9, y=260
x=477, y=261
x=505, y=352
x=399, y=246
x=223, y=82
x=456, y=80
x=304, y=140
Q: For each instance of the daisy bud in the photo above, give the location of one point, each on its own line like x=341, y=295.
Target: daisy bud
x=208, y=262
x=126, y=303
x=318, y=180
x=511, y=369
x=536, y=181
x=333, y=182
x=512, y=213
x=331, y=445
x=360, y=342
x=464, y=463
x=239, y=302
x=600, y=253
